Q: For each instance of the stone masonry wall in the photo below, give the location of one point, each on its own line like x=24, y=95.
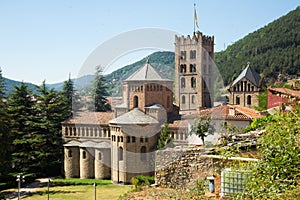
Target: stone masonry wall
x=181, y=168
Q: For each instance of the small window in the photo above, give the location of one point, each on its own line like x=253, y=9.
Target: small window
x=183, y=99
x=99, y=156
x=183, y=55
x=146, y=139
x=141, y=140
x=84, y=155
x=193, y=99
x=237, y=100
x=192, y=67
x=133, y=139
x=120, y=153
x=143, y=153
x=182, y=80
x=193, y=54
x=70, y=153
x=193, y=82
x=249, y=100
x=128, y=139
x=136, y=101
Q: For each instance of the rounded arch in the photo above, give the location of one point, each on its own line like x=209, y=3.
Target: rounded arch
x=182, y=82
x=249, y=99
x=135, y=101
x=183, y=99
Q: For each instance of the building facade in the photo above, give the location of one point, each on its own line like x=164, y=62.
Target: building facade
x=245, y=89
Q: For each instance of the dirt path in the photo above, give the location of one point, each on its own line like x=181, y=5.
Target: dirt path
x=32, y=187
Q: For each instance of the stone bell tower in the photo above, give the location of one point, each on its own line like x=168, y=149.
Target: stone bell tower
x=194, y=62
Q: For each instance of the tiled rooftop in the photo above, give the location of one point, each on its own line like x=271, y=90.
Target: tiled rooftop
x=292, y=93
x=223, y=112
x=93, y=118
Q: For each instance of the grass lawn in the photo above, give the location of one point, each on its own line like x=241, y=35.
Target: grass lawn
x=80, y=192
x=78, y=189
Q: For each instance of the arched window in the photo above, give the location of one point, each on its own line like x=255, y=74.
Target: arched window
x=99, y=156
x=192, y=68
x=182, y=82
x=249, y=99
x=120, y=153
x=143, y=153
x=193, y=99
x=248, y=87
x=66, y=131
x=193, y=82
x=70, y=153
x=183, y=68
x=135, y=101
x=183, y=99
x=84, y=155
x=237, y=100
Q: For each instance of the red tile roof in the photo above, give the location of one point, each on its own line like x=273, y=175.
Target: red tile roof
x=93, y=118
x=223, y=112
x=292, y=93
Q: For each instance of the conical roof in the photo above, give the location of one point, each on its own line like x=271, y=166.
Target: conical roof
x=147, y=72
x=249, y=74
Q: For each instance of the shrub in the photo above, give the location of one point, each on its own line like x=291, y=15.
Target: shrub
x=139, y=181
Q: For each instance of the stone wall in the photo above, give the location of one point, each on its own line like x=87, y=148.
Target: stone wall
x=182, y=168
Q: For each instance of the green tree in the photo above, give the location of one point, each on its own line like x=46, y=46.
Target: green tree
x=5, y=139
x=22, y=112
x=99, y=102
x=277, y=174
x=48, y=130
x=202, y=128
x=164, y=137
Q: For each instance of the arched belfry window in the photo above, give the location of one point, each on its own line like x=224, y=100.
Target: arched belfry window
x=182, y=82
x=135, y=101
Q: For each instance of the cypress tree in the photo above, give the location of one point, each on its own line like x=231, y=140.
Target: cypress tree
x=99, y=92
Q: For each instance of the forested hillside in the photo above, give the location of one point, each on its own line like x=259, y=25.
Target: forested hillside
x=271, y=50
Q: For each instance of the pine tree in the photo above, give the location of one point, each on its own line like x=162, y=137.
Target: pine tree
x=99, y=93
x=5, y=139
x=22, y=112
x=48, y=130
x=67, y=97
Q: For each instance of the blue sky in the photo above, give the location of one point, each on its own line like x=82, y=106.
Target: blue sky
x=47, y=40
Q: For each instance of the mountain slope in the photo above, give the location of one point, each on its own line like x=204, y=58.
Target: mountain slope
x=271, y=50
x=163, y=62
x=10, y=85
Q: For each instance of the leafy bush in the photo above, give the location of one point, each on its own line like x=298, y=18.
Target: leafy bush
x=139, y=181
x=277, y=172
